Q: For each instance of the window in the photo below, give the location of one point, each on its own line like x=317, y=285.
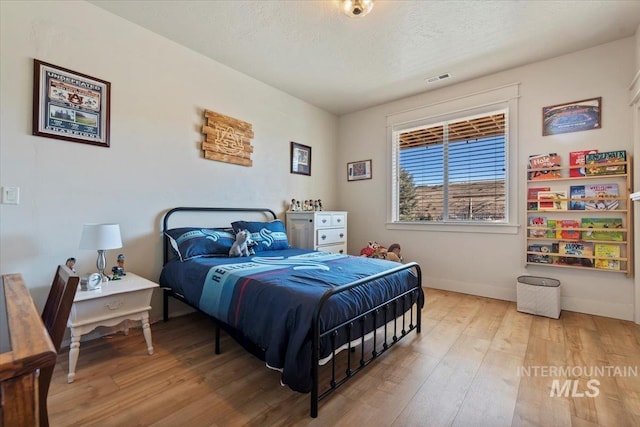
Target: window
x=453, y=171
x=454, y=164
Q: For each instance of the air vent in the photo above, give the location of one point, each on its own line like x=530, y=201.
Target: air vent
x=438, y=78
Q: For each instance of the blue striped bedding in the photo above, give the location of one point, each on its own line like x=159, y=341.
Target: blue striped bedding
x=270, y=298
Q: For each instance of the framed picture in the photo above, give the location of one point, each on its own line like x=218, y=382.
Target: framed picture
x=572, y=117
x=69, y=105
x=300, y=159
x=359, y=170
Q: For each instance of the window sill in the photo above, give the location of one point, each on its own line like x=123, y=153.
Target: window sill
x=455, y=227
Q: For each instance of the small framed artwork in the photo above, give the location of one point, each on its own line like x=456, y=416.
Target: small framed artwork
x=359, y=170
x=300, y=159
x=70, y=105
x=572, y=117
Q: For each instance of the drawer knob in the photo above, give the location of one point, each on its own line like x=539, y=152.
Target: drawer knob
x=323, y=237
x=338, y=220
x=341, y=251
x=324, y=221
x=341, y=234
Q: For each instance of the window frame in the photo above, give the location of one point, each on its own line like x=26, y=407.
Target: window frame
x=484, y=102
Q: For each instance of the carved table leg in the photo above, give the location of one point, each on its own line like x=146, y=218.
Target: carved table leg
x=146, y=330
x=74, y=351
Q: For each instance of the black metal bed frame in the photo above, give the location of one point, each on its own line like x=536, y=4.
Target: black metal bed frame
x=385, y=314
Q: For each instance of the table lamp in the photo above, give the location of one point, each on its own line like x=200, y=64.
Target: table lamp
x=101, y=237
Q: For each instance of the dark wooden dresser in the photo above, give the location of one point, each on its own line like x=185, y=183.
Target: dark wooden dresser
x=25, y=347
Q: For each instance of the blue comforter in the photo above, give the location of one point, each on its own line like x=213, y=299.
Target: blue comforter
x=270, y=298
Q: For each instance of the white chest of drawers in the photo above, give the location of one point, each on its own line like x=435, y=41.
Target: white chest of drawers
x=320, y=231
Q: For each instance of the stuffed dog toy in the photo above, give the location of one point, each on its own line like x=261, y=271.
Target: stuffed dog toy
x=241, y=246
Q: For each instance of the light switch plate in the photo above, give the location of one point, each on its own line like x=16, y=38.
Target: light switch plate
x=11, y=195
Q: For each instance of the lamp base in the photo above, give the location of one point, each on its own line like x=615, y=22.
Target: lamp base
x=101, y=264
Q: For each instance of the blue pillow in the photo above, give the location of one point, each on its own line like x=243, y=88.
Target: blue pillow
x=191, y=242
x=270, y=236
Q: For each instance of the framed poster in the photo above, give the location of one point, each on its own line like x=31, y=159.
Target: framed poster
x=69, y=105
x=300, y=159
x=572, y=117
x=359, y=170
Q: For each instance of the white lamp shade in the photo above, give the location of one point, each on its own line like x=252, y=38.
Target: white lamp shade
x=100, y=236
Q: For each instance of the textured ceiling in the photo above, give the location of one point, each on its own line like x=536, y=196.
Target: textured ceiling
x=310, y=50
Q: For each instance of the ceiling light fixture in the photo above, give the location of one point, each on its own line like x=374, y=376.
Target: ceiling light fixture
x=356, y=8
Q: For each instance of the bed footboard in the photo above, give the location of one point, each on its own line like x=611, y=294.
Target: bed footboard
x=394, y=328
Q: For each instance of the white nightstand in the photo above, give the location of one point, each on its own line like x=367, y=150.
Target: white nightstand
x=118, y=301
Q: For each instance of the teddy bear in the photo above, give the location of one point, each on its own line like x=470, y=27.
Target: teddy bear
x=393, y=253
x=380, y=252
x=241, y=246
x=376, y=250
x=369, y=251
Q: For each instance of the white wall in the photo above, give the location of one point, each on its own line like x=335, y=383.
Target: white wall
x=488, y=264
x=159, y=91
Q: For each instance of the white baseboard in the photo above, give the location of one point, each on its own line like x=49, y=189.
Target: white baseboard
x=479, y=289
x=598, y=308
x=580, y=305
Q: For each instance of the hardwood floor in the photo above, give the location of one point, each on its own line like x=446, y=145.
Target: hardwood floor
x=468, y=367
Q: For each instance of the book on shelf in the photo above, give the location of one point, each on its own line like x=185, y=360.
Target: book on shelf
x=607, y=251
x=540, y=222
x=532, y=197
x=544, y=164
x=576, y=248
x=552, y=200
x=602, y=229
x=569, y=248
x=576, y=192
x=604, y=163
x=601, y=197
x=543, y=256
x=578, y=158
x=565, y=229
x=551, y=228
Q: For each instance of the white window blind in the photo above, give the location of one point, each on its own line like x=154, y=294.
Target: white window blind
x=453, y=171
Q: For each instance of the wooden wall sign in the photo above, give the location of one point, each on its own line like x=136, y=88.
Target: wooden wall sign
x=227, y=139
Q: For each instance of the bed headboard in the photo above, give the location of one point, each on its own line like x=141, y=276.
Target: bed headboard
x=198, y=216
